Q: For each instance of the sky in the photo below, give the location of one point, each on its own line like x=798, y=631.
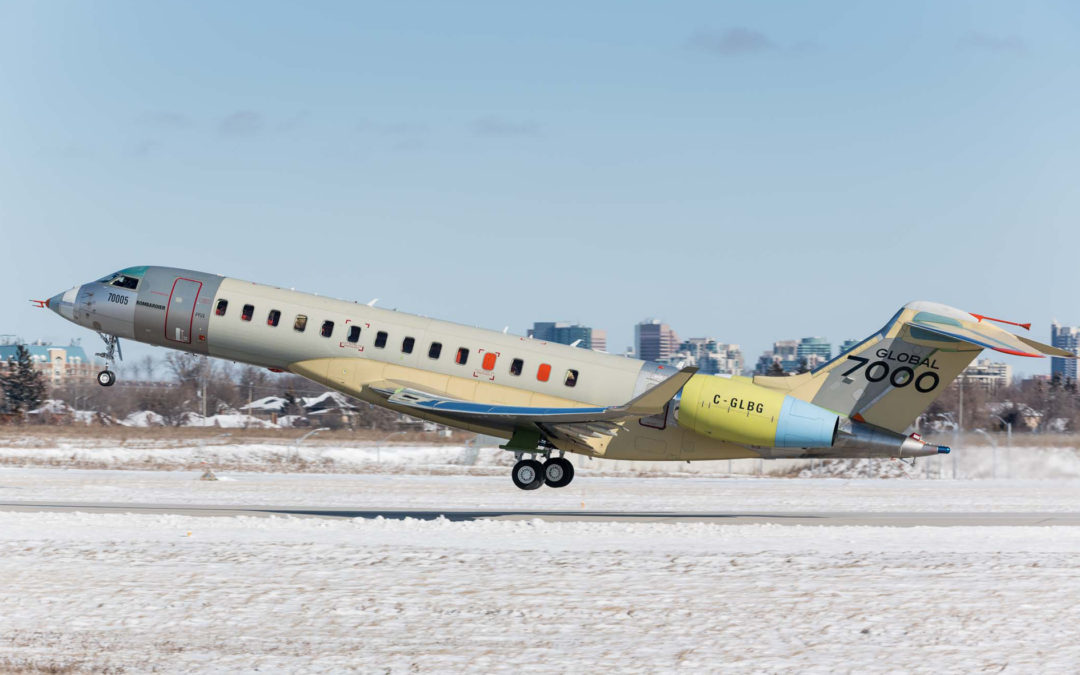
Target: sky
x=746, y=171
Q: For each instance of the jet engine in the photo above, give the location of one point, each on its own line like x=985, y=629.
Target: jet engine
x=738, y=411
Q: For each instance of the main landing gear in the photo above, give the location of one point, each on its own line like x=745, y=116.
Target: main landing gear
x=112, y=353
x=530, y=474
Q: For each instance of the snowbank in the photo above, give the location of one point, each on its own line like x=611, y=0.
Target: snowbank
x=977, y=463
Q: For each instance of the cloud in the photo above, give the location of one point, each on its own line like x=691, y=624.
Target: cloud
x=241, y=123
x=493, y=127
x=164, y=119
x=732, y=42
x=75, y=150
x=294, y=122
x=392, y=129
x=144, y=148
x=1001, y=44
x=398, y=135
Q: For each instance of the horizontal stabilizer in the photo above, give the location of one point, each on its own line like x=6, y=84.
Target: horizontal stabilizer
x=982, y=334
x=1046, y=349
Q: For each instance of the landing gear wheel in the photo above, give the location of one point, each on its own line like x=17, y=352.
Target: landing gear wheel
x=106, y=378
x=528, y=474
x=558, y=472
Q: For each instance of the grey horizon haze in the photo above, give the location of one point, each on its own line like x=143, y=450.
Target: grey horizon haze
x=743, y=171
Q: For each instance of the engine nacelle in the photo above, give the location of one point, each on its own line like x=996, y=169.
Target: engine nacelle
x=739, y=411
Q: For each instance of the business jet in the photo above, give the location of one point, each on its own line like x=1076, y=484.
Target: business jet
x=550, y=399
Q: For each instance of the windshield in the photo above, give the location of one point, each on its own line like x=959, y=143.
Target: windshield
x=120, y=280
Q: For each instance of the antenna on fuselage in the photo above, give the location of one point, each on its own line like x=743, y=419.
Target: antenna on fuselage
x=575, y=343
x=505, y=328
x=372, y=303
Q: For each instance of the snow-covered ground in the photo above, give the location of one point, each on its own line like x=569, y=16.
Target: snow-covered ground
x=684, y=493
x=140, y=593
x=315, y=455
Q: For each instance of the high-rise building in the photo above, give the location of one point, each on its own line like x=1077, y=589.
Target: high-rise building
x=1064, y=337
x=654, y=341
x=787, y=353
x=764, y=363
x=563, y=333
x=599, y=340
x=988, y=374
x=848, y=345
x=814, y=346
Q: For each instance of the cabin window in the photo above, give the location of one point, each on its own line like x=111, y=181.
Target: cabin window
x=300, y=324
x=354, y=334
x=543, y=373
x=462, y=356
x=489, y=361
x=516, y=366
x=435, y=350
x=249, y=311
x=407, y=345
x=222, y=305
x=274, y=317
x=570, y=379
x=327, y=329
x=380, y=339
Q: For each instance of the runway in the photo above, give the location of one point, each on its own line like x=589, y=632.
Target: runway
x=820, y=518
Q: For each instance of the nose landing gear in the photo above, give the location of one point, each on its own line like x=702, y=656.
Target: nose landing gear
x=112, y=353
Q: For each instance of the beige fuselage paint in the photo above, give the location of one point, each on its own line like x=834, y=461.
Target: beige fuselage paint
x=603, y=379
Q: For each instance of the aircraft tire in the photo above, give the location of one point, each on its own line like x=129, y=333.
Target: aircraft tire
x=106, y=378
x=558, y=472
x=528, y=474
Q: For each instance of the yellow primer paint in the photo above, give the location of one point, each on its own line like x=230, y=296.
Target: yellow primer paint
x=731, y=409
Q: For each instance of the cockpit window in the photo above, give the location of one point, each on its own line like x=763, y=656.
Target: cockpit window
x=126, y=278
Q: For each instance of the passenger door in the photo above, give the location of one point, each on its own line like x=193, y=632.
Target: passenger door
x=178, y=314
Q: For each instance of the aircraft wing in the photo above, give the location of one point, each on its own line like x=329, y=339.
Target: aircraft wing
x=574, y=423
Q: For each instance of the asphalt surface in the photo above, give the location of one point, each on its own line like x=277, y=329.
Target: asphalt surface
x=869, y=519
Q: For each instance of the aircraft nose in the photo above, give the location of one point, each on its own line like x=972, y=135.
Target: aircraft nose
x=54, y=302
x=64, y=303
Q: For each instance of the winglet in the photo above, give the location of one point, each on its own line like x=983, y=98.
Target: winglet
x=652, y=402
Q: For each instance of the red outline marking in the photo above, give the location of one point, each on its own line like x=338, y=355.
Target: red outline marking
x=981, y=318
x=1018, y=353
x=168, y=306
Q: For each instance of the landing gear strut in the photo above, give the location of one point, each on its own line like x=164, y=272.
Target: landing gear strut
x=530, y=474
x=112, y=353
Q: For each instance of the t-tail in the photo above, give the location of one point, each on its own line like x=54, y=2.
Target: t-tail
x=886, y=381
